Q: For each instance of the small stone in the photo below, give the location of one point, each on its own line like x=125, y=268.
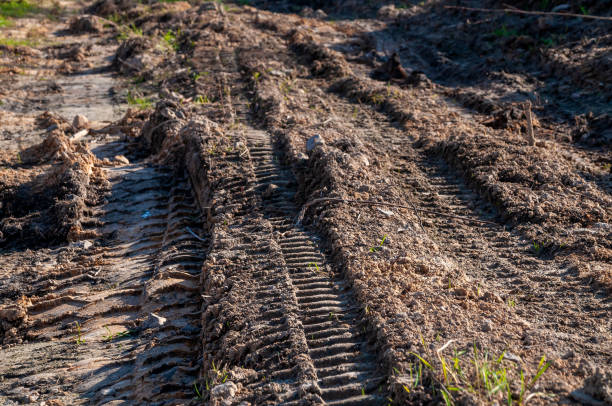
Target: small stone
x=320, y=14
x=122, y=159
x=80, y=122
x=154, y=321
x=107, y=391
x=487, y=325
x=270, y=191
x=314, y=141
x=224, y=391
x=462, y=292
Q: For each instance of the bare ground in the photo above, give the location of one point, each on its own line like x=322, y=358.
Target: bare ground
x=303, y=209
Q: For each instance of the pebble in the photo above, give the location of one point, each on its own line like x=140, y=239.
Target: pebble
x=154, y=321
x=314, y=141
x=270, y=191
x=487, y=325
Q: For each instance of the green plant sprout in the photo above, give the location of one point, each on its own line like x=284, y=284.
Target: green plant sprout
x=537, y=247
x=376, y=248
x=171, y=38
x=141, y=102
x=78, y=339
x=197, y=391
x=120, y=334
x=201, y=99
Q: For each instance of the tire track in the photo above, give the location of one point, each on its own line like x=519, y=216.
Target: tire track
x=345, y=366
x=128, y=303
x=307, y=333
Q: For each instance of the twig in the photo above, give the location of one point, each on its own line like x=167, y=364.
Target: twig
x=530, y=136
x=539, y=13
x=129, y=65
x=195, y=235
x=416, y=211
x=300, y=216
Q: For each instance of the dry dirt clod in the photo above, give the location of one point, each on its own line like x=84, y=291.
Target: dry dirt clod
x=80, y=122
x=122, y=159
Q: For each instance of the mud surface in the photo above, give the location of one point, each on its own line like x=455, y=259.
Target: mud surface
x=286, y=203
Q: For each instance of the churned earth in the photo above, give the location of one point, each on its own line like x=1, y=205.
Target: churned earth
x=333, y=202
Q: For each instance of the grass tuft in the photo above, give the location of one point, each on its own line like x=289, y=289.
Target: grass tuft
x=17, y=9
x=488, y=378
x=140, y=102
x=171, y=38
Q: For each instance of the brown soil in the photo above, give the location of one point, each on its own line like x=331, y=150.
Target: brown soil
x=365, y=204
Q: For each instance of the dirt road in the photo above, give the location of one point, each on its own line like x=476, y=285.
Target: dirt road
x=268, y=204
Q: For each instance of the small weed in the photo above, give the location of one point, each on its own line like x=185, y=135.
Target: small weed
x=584, y=11
x=171, y=38
x=511, y=303
x=314, y=265
x=256, y=76
x=120, y=334
x=78, y=338
x=504, y=32
x=197, y=391
x=285, y=87
x=377, y=99
x=141, y=102
x=115, y=17
x=537, y=247
x=379, y=246
x=131, y=30
x=201, y=99
x=549, y=42
x=136, y=30
x=138, y=80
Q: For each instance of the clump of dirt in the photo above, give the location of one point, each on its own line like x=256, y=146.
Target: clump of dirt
x=599, y=385
x=132, y=55
x=593, y=130
x=13, y=318
x=87, y=24
x=47, y=208
x=106, y=8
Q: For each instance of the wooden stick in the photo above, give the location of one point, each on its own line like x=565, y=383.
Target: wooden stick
x=538, y=13
x=300, y=216
x=530, y=134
